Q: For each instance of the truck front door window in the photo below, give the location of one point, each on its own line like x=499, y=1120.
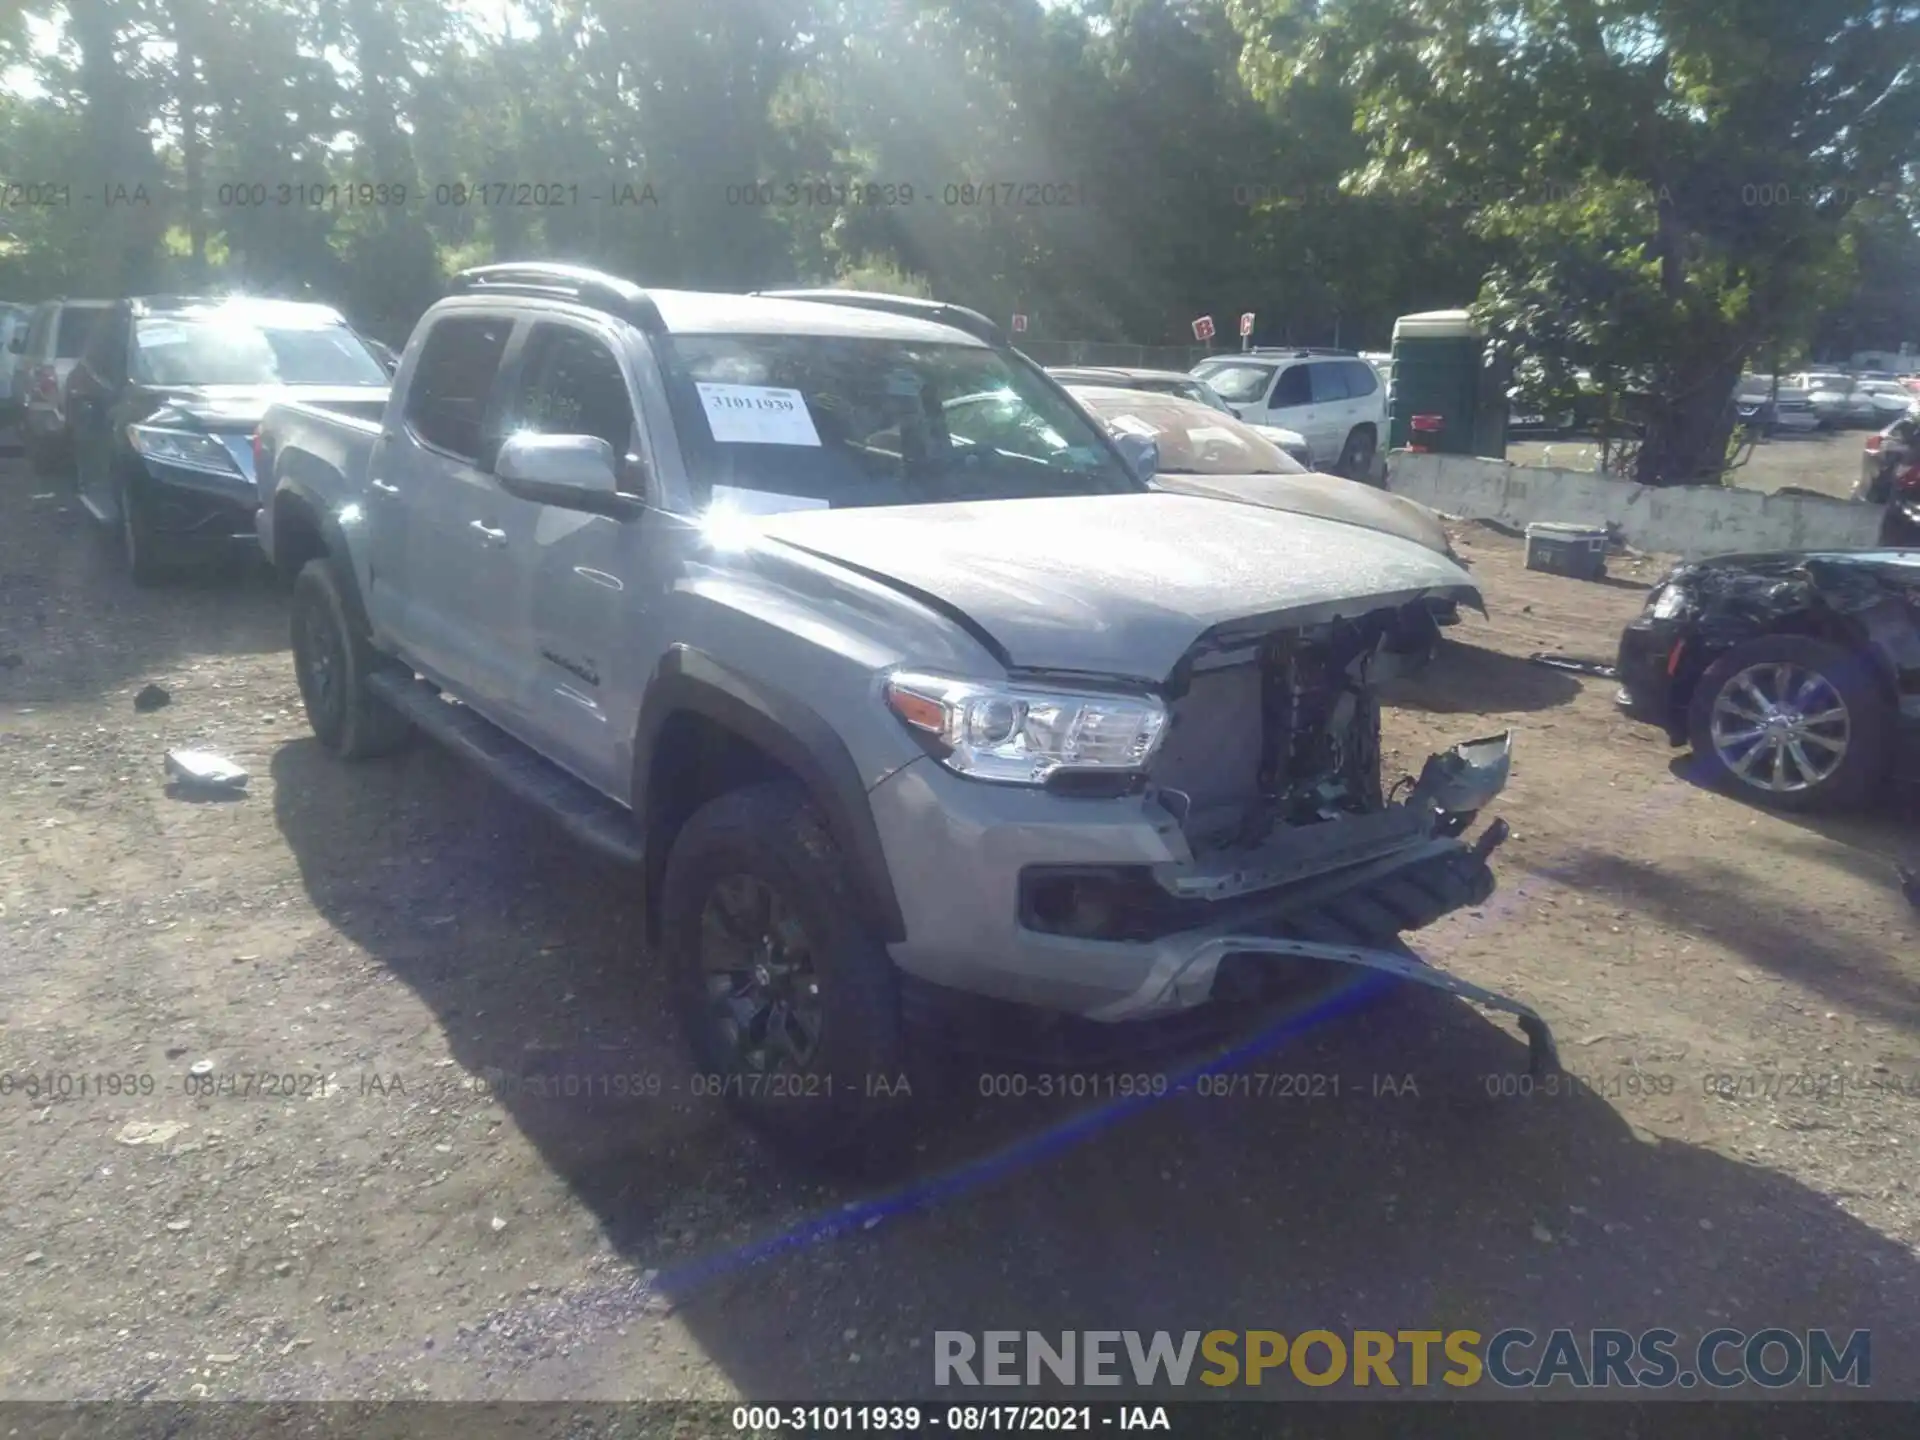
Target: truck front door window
x=570, y=384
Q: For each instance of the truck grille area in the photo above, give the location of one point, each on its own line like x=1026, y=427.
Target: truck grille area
x=1281, y=728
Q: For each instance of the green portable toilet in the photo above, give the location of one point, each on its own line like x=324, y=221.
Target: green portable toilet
x=1439, y=376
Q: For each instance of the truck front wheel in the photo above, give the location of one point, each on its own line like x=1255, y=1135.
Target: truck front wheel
x=333, y=660
x=790, y=1002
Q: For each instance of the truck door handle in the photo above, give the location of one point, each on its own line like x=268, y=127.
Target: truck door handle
x=384, y=488
x=489, y=534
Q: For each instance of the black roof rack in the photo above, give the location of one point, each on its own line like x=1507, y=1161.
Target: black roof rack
x=592, y=288
x=959, y=317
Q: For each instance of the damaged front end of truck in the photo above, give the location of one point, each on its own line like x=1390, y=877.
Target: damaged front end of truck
x=1288, y=846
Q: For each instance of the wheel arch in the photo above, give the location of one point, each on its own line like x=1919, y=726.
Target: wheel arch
x=304, y=529
x=705, y=729
x=1831, y=627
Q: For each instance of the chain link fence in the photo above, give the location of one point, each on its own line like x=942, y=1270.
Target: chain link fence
x=1104, y=352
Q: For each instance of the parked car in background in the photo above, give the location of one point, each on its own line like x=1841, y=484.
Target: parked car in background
x=388, y=357
x=1889, y=398
x=1885, y=453
x=1787, y=407
x=1333, y=398
x=163, y=408
x=1198, y=451
x=44, y=356
x=1838, y=400
x=1173, y=382
x=14, y=320
x=1789, y=674
x=1890, y=476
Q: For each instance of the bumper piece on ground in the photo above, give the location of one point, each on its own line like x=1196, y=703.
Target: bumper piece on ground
x=1464, y=779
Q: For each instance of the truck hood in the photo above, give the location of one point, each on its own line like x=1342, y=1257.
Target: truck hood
x=1327, y=496
x=1120, y=585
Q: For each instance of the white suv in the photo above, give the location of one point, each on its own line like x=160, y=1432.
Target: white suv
x=1332, y=397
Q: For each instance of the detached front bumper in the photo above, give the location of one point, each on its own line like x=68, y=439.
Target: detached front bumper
x=1098, y=908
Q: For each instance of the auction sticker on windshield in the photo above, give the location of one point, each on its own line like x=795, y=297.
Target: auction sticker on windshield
x=757, y=415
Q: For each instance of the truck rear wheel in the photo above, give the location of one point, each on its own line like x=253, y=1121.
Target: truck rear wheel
x=333, y=660
x=790, y=1002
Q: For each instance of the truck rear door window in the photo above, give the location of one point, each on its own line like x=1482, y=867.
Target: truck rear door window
x=453, y=381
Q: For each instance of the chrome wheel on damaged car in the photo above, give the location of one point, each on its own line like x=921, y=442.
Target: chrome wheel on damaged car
x=1780, y=727
x=1794, y=722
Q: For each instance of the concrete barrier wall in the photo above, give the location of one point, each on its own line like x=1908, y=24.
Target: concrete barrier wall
x=1685, y=520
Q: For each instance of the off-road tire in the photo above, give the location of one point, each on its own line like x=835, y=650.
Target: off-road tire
x=1870, y=718
x=772, y=833
x=1356, y=456
x=349, y=719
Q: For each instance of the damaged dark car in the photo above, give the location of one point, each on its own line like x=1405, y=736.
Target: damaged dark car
x=1794, y=676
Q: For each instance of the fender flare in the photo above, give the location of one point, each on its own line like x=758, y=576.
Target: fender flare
x=790, y=732
x=332, y=537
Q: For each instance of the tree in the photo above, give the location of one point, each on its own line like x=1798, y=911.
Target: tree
x=1664, y=180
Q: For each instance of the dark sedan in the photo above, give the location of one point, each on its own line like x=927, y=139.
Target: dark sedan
x=164, y=403
x=1794, y=676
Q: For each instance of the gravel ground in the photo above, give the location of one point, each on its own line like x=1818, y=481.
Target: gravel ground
x=407, y=1215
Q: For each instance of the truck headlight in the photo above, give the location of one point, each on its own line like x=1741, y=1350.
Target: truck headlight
x=1018, y=736
x=1669, y=603
x=188, y=449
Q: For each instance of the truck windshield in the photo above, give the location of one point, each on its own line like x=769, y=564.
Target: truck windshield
x=234, y=350
x=858, y=421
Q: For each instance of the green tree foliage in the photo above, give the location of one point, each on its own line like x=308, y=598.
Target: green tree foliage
x=1665, y=183
x=1648, y=190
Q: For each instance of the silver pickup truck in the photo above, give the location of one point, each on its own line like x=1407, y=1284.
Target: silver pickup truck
x=906, y=689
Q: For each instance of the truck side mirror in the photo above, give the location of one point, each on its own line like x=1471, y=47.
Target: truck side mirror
x=571, y=472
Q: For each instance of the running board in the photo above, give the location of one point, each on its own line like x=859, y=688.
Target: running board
x=581, y=810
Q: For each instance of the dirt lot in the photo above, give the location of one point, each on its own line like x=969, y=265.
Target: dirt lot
x=400, y=931
x=1826, y=461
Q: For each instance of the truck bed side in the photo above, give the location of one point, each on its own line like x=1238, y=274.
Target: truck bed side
x=317, y=463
